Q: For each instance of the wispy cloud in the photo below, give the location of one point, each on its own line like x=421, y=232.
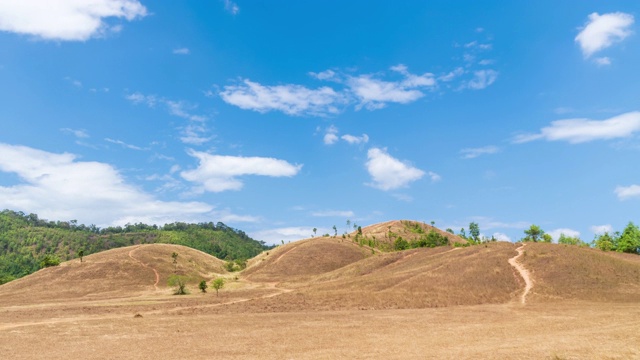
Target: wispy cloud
x=472, y=153
x=352, y=139
x=290, y=99
x=79, y=133
x=66, y=20
x=231, y=7
x=389, y=173
x=181, y=51
x=217, y=173
x=125, y=145
x=577, y=131
x=195, y=132
x=602, y=31
x=334, y=213
x=482, y=79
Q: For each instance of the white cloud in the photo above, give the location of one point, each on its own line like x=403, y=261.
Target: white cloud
x=231, y=7
x=452, y=75
x=58, y=186
x=181, y=51
x=627, y=192
x=471, y=153
x=402, y=197
x=374, y=93
x=351, y=139
x=217, y=173
x=333, y=213
x=486, y=62
x=125, y=145
x=79, y=133
x=602, y=61
x=324, y=75
x=601, y=229
x=482, y=79
x=194, y=133
x=290, y=99
x=555, y=234
x=330, y=136
x=389, y=173
x=66, y=20
x=287, y=234
x=434, y=177
x=583, y=130
x=501, y=237
x=602, y=31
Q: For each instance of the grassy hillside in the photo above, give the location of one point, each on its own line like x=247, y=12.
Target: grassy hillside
x=25, y=240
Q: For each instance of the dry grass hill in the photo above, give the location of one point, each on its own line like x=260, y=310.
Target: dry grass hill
x=409, y=230
x=116, y=273
x=305, y=300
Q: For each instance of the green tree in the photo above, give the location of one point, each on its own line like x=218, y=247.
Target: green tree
x=569, y=240
x=474, y=232
x=629, y=241
x=314, y=231
x=335, y=231
x=203, y=286
x=175, y=261
x=80, y=254
x=49, y=260
x=401, y=244
x=180, y=283
x=604, y=242
x=348, y=225
x=462, y=233
x=218, y=284
x=449, y=230
x=534, y=233
x=230, y=266
x=547, y=238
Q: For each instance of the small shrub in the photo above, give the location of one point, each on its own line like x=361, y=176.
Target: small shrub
x=180, y=282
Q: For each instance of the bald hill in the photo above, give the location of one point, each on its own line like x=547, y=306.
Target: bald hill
x=25, y=241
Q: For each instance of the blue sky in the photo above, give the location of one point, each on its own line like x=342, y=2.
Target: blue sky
x=278, y=117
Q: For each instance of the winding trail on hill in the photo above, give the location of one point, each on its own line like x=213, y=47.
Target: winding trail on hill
x=523, y=272
x=155, y=285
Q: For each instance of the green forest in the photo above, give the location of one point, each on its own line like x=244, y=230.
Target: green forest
x=28, y=243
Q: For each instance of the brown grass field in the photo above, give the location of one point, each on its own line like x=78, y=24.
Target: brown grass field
x=329, y=298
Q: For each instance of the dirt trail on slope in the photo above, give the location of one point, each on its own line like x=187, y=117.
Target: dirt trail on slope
x=523, y=272
x=155, y=285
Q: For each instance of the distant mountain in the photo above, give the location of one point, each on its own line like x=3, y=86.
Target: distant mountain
x=26, y=240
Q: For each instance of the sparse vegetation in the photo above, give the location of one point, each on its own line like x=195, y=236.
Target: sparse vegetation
x=80, y=254
x=180, y=284
x=49, y=260
x=218, y=284
x=203, y=286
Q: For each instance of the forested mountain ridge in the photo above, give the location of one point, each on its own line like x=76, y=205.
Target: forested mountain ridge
x=26, y=240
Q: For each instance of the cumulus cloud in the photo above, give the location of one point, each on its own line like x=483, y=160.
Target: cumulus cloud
x=482, y=79
x=66, y=20
x=577, y=131
x=58, y=186
x=290, y=99
x=602, y=31
x=601, y=229
x=472, y=153
x=333, y=213
x=555, y=234
x=627, y=192
x=331, y=135
x=388, y=172
x=351, y=139
x=217, y=173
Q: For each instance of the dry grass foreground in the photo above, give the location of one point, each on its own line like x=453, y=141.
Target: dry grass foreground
x=305, y=300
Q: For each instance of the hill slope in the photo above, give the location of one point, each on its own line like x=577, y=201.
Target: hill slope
x=25, y=239
x=116, y=273
x=385, y=234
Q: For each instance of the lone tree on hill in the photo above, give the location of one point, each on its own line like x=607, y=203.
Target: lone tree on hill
x=218, y=284
x=474, y=232
x=335, y=231
x=315, y=231
x=534, y=233
x=80, y=254
x=203, y=286
x=180, y=282
x=175, y=261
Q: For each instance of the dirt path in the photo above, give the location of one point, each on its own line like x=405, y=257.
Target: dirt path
x=523, y=272
x=155, y=285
